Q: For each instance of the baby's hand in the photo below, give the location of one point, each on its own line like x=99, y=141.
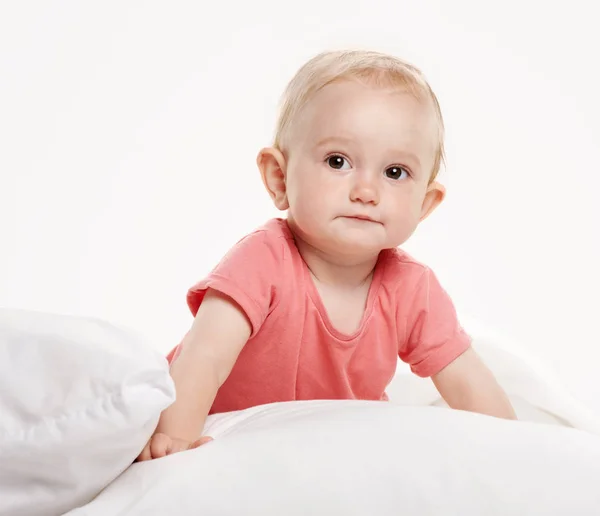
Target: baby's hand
x=161, y=445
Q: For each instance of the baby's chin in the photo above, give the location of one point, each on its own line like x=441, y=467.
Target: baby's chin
x=355, y=245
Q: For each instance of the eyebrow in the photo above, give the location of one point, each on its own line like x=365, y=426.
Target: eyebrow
x=411, y=158
x=333, y=139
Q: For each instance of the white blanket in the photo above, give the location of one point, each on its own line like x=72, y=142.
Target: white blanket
x=356, y=458
x=535, y=393
x=364, y=458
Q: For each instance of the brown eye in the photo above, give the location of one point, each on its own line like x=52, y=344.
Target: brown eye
x=338, y=162
x=396, y=172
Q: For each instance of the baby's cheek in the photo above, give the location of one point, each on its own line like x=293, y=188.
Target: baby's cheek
x=314, y=210
x=307, y=210
x=313, y=198
x=404, y=222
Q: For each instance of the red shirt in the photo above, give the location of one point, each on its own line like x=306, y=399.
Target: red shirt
x=295, y=353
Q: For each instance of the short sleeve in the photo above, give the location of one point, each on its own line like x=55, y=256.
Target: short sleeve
x=248, y=274
x=434, y=336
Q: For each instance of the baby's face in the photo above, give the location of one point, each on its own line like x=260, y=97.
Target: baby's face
x=359, y=166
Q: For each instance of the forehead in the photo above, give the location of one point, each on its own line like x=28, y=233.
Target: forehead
x=380, y=117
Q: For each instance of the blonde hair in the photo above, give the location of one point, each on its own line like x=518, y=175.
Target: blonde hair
x=381, y=69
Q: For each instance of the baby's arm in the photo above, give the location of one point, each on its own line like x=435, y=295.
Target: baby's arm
x=467, y=384
x=210, y=349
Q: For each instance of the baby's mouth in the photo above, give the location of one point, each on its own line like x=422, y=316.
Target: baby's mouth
x=362, y=218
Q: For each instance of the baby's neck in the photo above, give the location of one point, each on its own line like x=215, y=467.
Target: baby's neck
x=336, y=271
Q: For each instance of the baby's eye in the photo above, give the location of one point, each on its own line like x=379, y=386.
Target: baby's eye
x=338, y=162
x=396, y=172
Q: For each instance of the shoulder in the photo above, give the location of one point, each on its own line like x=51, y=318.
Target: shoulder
x=401, y=270
x=410, y=284
x=250, y=272
x=264, y=246
x=273, y=229
x=414, y=286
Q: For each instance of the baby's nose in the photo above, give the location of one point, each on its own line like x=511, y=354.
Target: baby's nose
x=365, y=189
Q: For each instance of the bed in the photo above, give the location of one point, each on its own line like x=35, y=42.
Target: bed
x=71, y=452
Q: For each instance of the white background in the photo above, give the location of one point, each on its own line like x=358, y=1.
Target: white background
x=129, y=130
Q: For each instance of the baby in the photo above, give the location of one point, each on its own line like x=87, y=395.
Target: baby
x=320, y=305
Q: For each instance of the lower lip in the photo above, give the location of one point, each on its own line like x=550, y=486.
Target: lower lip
x=362, y=220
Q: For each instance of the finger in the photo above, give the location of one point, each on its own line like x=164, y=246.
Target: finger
x=145, y=455
x=200, y=442
x=177, y=446
x=160, y=446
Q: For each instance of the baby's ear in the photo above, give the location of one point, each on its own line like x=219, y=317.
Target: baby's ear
x=272, y=165
x=433, y=197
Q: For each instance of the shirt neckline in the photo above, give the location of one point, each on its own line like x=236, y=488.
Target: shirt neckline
x=372, y=294
x=317, y=301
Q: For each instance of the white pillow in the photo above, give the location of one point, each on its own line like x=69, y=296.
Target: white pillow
x=78, y=400
x=358, y=458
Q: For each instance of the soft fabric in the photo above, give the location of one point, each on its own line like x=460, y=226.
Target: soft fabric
x=295, y=353
x=535, y=392
x=78, y=400
x=368, y=458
